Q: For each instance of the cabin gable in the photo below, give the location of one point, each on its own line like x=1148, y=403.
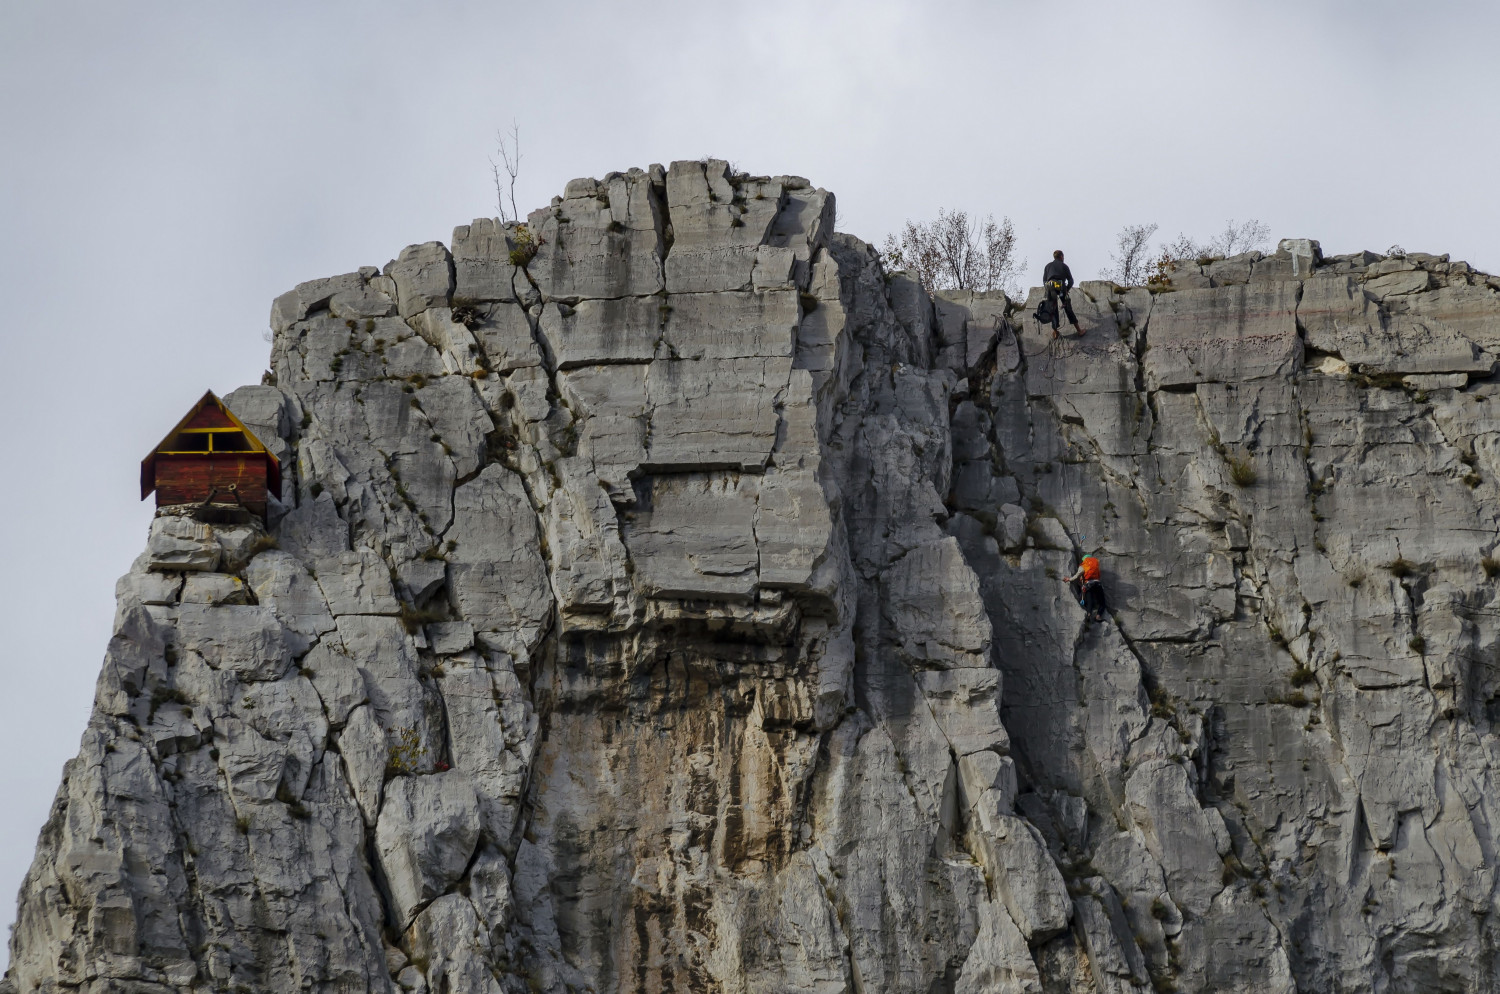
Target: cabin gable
x=211, y=456
x=208, y=416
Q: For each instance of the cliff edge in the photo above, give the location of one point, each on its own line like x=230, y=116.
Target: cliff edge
x=663, y=597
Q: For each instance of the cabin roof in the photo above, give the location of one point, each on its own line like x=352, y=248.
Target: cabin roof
x=210, y=412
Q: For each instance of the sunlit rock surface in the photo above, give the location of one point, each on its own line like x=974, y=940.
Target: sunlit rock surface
x=675, y=605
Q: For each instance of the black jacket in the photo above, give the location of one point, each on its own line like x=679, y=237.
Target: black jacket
x=1058, y=270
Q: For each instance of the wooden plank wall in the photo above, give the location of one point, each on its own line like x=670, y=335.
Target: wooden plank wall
x=209, y=416
x=188, y=479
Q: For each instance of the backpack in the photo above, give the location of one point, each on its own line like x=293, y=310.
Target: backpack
x=1046, y=311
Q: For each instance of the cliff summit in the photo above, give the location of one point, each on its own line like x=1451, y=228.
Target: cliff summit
x=661, y=596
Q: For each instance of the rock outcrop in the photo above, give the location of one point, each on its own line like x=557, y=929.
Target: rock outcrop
x=663, y=597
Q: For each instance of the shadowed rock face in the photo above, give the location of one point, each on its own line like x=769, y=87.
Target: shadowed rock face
x=682, y=611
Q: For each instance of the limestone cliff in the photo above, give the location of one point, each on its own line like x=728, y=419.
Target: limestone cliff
x=670, y=600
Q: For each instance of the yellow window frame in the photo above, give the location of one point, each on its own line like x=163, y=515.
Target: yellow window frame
x=210, y=432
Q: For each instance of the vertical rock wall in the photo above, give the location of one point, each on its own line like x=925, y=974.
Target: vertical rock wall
x=665, y=598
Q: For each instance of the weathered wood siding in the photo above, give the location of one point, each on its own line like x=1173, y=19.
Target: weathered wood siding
x=187, y=479
x=209, y=416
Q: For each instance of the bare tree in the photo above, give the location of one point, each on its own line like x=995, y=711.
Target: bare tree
x=1184, y=248
x=1130, y=264
x=1235, y=239
x=508, y=147
x=953, y=253
x=1136, y=263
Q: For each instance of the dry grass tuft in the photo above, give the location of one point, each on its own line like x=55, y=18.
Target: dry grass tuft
x=1242, y=471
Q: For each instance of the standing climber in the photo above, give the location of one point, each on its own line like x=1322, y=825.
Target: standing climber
x=1088, y=589
x=1058, y=279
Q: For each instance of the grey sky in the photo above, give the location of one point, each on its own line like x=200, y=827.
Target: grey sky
x=169, y=168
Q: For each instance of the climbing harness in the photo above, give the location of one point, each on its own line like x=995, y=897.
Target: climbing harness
x=1047, y=308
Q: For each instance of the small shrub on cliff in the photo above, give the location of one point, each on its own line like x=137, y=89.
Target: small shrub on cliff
x=406, y=753
x=1401, y=567
x=1377, y=381
x=524, y=246
x=413, y=618
x=1242, y=471
x=166, y=695
x=1490, y=566
x=1159, y=278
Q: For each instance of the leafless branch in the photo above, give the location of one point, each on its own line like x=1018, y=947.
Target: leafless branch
x=508, y=147
x=1130, y=262
x=1185, y=248
x=1235, y=239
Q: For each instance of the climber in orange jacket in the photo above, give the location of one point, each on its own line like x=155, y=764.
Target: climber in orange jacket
x=1088, y=589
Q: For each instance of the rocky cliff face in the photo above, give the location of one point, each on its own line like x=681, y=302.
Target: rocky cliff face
x=672, y=602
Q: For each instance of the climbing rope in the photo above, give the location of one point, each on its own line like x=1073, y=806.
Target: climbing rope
x=1053, y=352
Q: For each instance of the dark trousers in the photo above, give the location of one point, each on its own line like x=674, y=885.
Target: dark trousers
x=1091, y=596
x=1067, y=305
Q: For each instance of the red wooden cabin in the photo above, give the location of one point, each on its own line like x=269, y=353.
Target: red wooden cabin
x=211, y=454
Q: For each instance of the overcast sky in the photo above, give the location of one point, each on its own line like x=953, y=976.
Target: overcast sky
x=166, y=169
